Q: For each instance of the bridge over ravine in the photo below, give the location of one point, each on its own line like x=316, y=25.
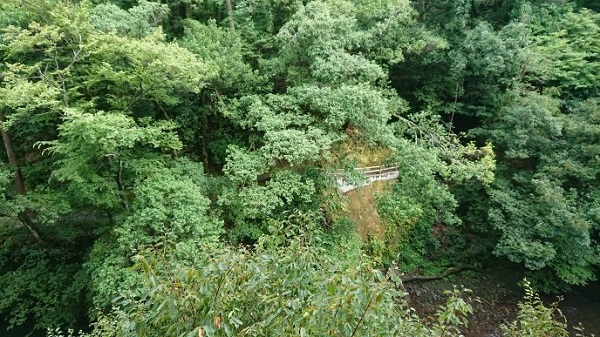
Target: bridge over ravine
x=371, y=173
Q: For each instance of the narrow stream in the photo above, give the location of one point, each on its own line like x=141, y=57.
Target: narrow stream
x=583, y=305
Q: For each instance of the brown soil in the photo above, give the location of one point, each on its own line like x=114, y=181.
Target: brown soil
x=357, y=152
x=361, y=208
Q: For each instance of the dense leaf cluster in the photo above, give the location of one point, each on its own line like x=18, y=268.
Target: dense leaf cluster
x=190, y=139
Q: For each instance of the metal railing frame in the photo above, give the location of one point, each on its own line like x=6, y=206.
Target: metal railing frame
x=372, y=173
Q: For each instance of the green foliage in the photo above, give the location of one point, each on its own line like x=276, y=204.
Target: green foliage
x=569, y=43
x=44, y=284
x=325, y=90
x=536, y=319
x=516, y=74
x=537, y=205
x=88, y=99
x=250, y=203
x=139, y=21
x=7, y=207
x=421, y=199
x=136, y=67
x=97, y=151
x=280, y=290
x=554, y=235
x=454, y=315
x=42, y=281
x=225, y=49
x=169, y=208
x=489, y=107
x=417, y=202
x=91, y=69
x=528, y=124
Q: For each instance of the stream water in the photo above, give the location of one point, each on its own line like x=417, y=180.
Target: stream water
x=583, y=305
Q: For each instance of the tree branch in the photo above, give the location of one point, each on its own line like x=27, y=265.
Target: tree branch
x=362, y=317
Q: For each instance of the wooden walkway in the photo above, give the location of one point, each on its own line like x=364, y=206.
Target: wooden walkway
x=371, y=173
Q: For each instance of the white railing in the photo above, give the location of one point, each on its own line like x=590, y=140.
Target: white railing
x=371, y=173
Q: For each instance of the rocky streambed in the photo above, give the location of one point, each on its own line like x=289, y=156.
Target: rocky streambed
x=498, y=294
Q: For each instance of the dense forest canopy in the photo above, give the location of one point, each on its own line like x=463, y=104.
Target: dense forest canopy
x=169, y=165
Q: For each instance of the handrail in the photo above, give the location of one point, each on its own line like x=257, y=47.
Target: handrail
x=372, y=173
x=370, y=168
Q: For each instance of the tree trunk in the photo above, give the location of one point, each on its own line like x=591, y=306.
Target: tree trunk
x=12, y=159
x=205, y=140
x=25, y=216
x=230, y=13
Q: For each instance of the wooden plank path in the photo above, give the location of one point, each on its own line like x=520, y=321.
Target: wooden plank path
x=371, y=173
